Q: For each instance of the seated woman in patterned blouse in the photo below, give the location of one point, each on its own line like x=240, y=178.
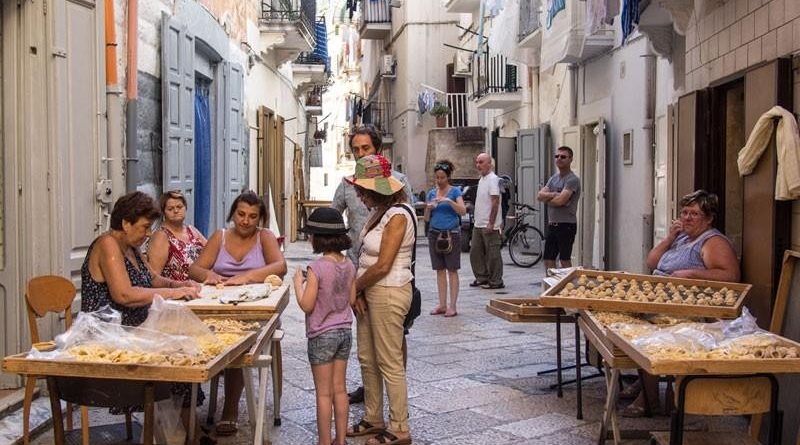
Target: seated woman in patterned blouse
x=176, y=245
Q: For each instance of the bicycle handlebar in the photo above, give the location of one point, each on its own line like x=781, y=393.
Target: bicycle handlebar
x=524, y=206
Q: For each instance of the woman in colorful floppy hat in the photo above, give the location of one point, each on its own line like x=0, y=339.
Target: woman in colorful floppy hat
x=383, y=299
x=326, y=293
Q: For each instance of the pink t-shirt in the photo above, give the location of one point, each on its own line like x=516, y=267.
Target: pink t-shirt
x=332, y=310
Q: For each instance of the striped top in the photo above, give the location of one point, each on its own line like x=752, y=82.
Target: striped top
x=685, y=253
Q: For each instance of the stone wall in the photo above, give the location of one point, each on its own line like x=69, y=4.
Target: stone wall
x=738, y=35
x=148, y=133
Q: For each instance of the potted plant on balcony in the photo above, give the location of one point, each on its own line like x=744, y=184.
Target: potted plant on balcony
x=440, y=112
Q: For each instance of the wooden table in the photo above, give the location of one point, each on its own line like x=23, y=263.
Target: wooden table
x=614, y=360
x=269, y=309
x=715, y=369
x=147, y=374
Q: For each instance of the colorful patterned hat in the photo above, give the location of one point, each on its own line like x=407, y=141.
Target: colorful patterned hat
x=374, y=172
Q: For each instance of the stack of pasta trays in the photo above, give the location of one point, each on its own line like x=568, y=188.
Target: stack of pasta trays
x=623, y=292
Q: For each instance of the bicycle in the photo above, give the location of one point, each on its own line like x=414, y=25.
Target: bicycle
x=525, y=241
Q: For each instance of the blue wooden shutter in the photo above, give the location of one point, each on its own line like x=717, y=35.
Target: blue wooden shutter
x=177, y=109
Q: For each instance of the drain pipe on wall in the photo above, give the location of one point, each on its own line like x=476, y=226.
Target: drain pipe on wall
x=650, y=67
x=113, y=110
x=132, y=90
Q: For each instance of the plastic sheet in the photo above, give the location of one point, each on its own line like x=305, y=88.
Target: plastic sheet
x=725, y=339
x=171, y=334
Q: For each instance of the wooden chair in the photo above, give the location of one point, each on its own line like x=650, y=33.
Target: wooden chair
x=46, y=294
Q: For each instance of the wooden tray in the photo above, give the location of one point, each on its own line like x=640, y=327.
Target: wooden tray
x=706, y=366
x=596, y=333
x=264, y=336
x=525, y=310
x=551, y=298
x=20, y=364
x=251, y=310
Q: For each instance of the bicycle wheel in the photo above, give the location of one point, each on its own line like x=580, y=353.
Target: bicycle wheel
x=526, y=248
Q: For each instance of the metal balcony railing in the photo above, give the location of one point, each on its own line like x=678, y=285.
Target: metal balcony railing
x=529, y=18
x=282, y=11
x=457, y=103
x=306, y=58
x=378, y=114
x=314, y=97
x=375, y=11
x=496, y=75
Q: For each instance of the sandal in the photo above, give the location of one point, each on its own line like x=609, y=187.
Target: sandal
x=387, y=438
x=450, y=313
x=438, y=311
x=363, y=428
x=227, y=428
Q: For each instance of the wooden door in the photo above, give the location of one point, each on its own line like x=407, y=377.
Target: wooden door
x=532, y=161
x=600, y=239
x=692, y=141
x=766, y=222
x=271, y=165
x=572, y=137
x=177, y=109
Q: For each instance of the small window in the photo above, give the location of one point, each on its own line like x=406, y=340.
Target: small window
x=627, y=147
x=325, y=180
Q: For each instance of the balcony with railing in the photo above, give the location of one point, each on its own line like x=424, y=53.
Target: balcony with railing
x=497, y=85
x=313, y=68
x=379, y=115
x=375, y=22
x=566, y=40
x=530, y=24
x=314, y=101
x=287, y=27
x=462, y=6
x=457, y=103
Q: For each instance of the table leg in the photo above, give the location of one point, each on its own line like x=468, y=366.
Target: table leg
x=193, y=414
x=259, y=435
x=612, y=383
x=277, y=381
x=55, y=407
x=149, y=418
x=560, y=392
x=579, y=395
x=248, y=394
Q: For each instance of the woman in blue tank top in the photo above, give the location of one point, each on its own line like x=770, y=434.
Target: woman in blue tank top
x=692, y=249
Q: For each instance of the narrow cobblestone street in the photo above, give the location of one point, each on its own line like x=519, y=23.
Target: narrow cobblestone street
x=472, y=378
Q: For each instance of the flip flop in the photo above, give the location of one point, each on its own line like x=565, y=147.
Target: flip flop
x=387, y=438
x=227, y=428
x=362, y=428
x=437, y=311
x=450, y=313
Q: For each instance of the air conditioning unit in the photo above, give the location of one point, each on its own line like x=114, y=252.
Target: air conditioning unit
x=462, y=65
x=389, y=65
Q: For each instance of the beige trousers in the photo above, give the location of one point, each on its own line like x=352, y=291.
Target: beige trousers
x=380, y=351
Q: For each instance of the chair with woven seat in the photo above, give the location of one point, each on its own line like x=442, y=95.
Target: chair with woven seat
x=43, y=295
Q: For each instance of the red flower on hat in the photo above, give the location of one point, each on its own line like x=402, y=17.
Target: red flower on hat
x=386, y=165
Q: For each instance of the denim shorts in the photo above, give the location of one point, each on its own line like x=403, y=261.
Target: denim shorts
x=329, y=346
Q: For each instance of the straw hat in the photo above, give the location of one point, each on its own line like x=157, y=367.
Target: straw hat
x=325, y=221
x=374, y=172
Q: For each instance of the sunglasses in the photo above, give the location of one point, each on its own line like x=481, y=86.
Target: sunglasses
x=561, y=157
x=441, y=166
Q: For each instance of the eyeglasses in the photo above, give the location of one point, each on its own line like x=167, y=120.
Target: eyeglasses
x=561, y=156
x=692, y=214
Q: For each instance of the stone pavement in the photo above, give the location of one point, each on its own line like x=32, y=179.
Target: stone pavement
x=472, y=378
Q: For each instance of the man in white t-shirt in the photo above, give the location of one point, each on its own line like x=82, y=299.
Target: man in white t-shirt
x=487, y=263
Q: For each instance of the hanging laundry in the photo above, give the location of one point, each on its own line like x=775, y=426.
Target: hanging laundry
x=787, y=142
x=630, y=18
x=553, y=8
x=595, y=15
x=493, y=7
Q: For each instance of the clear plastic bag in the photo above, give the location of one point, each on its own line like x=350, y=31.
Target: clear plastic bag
x=171, y=331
